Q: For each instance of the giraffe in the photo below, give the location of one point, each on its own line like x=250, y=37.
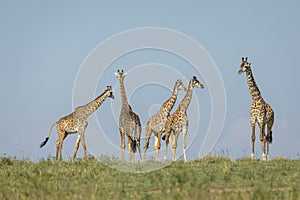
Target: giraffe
x=260, y=112
x=76, y=122
x=178, y=121
x=157, y=122
x=129, y=122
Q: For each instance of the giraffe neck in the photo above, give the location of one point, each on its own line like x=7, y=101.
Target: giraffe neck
x=95, y=104
x=185, y=102
x=169, y=104
x=254, y=91
x=123, y=94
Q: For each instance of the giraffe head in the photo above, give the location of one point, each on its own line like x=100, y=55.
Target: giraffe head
x=120, y=74
x=245, y=66
x=180, y=85
x=196, y=83
x=109, y=92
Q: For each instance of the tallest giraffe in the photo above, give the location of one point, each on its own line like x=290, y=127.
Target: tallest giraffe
x=260, y=112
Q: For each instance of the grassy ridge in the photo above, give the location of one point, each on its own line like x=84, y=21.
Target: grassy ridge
x=208, y=178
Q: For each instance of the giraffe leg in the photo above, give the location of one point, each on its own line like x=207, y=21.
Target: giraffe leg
x=129, y=145
x=57, y=142
x=60, y=143
x=174, y=145
x=61, y=136
x=263, y=155
x=253, y=138
x=129, y=149
x=184, y=131
x=138, y=136
x=263, y=140
x=168, y=138
x=139, y=149
x=57, y=149
x=170, y=142
x=267, y=150
x=83, y=144
x=157, y=145
x=122, y=143
x=167, y=143
x=76, y=146
x=148, y=135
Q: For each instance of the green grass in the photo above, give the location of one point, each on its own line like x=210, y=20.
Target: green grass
x=208, y=178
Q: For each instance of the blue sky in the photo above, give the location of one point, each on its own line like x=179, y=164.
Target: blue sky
x=44, y=43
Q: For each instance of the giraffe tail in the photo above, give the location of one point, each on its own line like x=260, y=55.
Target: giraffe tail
x=133, y=146
x=44, y=142
x=47, y=138
x=270, y=137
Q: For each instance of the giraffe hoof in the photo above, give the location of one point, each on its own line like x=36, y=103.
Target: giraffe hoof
x=264, y=157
